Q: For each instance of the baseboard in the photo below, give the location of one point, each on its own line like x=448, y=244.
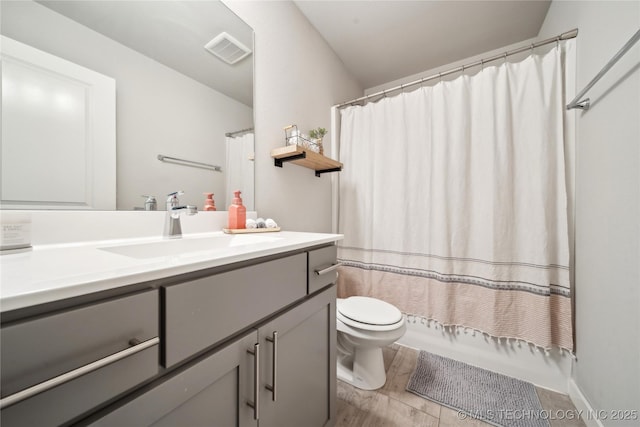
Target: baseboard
x=524, y=362
x=588, y=415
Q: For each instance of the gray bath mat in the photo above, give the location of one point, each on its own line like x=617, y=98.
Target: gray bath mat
x=494, y=398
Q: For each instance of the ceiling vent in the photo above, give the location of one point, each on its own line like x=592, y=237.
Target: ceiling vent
x=227, y=48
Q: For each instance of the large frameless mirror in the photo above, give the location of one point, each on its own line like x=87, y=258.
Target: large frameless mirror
x=104, y=102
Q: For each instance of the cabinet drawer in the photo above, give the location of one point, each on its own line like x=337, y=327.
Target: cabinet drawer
x=319, y=261
x=203, y=312
x=37, y=351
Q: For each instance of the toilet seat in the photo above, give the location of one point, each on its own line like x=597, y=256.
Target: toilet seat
x=368, y=314
x=364, y=326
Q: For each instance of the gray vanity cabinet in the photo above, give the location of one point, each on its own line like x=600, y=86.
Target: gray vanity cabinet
x=212, y=391
x=298, y=365
x=296, y=383
x=250, y=344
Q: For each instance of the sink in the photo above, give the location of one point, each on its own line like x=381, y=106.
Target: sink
x=188, y=246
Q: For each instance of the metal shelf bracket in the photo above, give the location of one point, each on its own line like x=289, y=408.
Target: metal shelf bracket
x=279, y=162
x=319, y=172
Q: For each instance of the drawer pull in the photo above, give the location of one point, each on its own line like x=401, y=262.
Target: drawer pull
x=274, y=365
x=255, y=405
x=78, y=372
x=328, y=269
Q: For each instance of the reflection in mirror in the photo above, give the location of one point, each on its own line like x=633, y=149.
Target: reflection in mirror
x=173, y=98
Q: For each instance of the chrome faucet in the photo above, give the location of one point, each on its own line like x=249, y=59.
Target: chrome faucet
x=172, y=227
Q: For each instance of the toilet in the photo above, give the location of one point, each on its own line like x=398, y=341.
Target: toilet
x=365, y=325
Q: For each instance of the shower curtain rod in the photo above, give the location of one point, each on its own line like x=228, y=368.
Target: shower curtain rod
x=230, y=134
x=564, y=36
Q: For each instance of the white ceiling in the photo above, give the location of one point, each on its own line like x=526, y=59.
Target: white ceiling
x=173, y=33
x=381, y=41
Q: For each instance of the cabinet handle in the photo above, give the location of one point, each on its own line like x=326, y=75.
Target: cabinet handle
x=255, y=405
x=78, y=372
x=274, y=365
x=328, y=269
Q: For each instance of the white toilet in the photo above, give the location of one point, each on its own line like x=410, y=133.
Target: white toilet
x=365, y=325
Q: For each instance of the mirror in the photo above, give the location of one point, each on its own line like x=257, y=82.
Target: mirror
x=173, y=98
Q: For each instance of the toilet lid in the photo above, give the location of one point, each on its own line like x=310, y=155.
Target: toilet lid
x=369, y=310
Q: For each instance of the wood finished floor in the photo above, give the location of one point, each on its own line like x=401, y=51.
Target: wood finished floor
x=393, y=406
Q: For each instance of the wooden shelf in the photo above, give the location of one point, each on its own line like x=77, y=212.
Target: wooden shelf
x=307, y=158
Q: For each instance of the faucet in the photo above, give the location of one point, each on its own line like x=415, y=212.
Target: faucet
x=150, y=204
x=172, y=227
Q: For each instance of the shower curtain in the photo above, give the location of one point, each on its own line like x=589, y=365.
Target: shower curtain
x=453, y=202
x=239, y=169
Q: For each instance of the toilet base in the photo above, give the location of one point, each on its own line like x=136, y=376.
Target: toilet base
x=364, y=369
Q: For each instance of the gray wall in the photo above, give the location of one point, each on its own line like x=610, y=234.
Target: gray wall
x=298, y=78
x=607, y=203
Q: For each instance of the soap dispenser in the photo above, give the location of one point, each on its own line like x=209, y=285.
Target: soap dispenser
x=237, y=213
x=209, y=203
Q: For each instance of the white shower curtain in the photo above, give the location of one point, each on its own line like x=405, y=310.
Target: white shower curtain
x=453, y=202
x=239, y=171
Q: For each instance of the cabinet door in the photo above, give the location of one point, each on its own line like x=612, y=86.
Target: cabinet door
x=305, y=365
x=212, y=391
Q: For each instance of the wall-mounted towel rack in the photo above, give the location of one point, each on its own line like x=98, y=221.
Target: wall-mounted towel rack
x=191, y=163
x=585, y=103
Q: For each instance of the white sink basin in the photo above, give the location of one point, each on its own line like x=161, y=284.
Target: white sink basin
x=189, y=246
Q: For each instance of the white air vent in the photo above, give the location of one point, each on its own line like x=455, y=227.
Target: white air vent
x=227, y=48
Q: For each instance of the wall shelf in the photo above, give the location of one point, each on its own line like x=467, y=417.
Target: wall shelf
x=304, y=157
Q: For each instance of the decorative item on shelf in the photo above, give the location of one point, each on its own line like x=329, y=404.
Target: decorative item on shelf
x=317, y=135
x=301, y=150
x=255, y=226
x=293, y=136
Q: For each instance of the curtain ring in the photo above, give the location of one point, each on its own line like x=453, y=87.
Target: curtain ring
x=422, y=82
x=532, y=47
x=557, y=41
x=505, y=57
x=440, y=77
x=384, y=93
x=482, y=65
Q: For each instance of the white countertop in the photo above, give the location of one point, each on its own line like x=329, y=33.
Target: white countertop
x=50, y=273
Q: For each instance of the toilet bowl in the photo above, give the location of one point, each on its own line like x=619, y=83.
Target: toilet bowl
x=365, y=325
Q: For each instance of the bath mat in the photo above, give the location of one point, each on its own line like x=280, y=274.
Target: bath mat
x=491, y=397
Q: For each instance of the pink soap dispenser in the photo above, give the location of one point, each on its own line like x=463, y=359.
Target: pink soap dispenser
x=209, y=203
x=237, y=213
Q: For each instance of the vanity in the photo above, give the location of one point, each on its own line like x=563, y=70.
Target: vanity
x=211, y=329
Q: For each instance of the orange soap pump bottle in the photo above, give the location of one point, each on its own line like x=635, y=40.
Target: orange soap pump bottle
x=209, y=203
x=237, y=213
